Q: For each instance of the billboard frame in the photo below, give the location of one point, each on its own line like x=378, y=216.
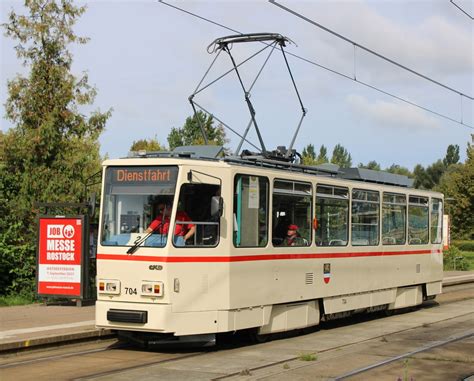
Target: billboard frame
x=84, y=255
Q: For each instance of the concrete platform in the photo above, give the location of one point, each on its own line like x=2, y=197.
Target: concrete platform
x=40, y=324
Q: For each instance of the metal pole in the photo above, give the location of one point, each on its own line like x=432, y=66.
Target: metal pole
x=247, y=100
x=196, y=115
x=236, y=153
x=294, y=136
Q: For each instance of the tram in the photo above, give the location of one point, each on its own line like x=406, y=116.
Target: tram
x=366, y=242
x=196, y=242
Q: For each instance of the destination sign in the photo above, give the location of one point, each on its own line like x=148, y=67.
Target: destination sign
x=142, y=175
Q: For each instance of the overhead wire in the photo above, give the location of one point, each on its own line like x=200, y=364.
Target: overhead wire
x=462, y=10
x=354, y=79
x=381, y=56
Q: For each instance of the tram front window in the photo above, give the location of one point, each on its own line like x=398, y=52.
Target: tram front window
x=133, y=198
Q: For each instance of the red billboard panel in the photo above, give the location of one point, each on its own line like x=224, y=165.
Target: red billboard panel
x=60, y=256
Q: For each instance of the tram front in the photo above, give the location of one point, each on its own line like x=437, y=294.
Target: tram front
x=148, y=214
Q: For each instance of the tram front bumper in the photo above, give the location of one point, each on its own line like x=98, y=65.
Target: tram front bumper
x=158, y=318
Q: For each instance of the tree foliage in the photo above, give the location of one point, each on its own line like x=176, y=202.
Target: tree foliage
x=190, y=133
x=457, y=184
x=309, y=155
x=150, y=145
x=370, y=165
x=323, y=155
x=341, y=156
x=452, y=155
x=52, y=147
x=428, y=178
x=399, y=170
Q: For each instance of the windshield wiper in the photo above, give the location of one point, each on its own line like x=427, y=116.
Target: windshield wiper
x=138, y=242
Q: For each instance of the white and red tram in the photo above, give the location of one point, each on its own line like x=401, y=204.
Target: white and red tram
x=363, y=246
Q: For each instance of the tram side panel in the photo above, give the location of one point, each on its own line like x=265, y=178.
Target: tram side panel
x=368, y=280
x=345, y=278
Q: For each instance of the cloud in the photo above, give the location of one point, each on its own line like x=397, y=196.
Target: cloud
x=391, y=115
x=427, y=42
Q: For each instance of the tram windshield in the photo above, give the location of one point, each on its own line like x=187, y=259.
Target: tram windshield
x=134, y=197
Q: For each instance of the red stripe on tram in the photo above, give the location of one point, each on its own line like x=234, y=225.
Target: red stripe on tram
x=260, y=257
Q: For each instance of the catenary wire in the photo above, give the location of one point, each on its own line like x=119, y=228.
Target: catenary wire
x=393, y=62
x=332, y=70
x=462, y=10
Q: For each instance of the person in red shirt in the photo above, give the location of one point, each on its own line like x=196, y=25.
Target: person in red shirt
x=161, y=224
x=293, y=238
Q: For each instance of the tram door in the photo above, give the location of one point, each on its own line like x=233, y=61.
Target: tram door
x=250, y=211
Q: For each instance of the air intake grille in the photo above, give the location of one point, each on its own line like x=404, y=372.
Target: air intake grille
x=127, y=316
x=309, y=278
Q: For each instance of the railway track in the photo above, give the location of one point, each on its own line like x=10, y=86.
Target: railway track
x=107, y=355
x=425, y=348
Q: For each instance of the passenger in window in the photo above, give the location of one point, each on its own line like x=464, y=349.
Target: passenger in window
x=161, y=225
x=293, y=238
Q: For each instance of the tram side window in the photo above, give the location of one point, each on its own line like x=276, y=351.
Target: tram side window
x=194, y=209
x=250, y=211
x=291, y=206
x=365, y=217
x=418, y=220
x=394, y=219
x=332, y=215
x=436, y=220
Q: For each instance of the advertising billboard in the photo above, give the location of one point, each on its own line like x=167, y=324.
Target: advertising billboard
x=60, y=259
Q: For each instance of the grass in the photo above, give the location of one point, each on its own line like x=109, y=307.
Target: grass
x=15, y=300
x=455, y=259
x=307, y=357
x=469, y=255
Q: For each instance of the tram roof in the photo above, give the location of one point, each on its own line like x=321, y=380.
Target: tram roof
x=216, y=154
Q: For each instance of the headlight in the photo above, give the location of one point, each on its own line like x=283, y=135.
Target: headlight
x=151, y=288
x=109, y=286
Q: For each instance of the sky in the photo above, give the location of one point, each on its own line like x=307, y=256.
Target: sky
x=145, y=59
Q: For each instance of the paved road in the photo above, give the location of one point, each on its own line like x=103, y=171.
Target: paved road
x=334, y=350
x=33, y=325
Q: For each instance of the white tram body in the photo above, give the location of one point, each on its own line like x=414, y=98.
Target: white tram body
x=366, y=246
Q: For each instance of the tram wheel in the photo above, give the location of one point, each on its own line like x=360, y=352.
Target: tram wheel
x=257, y=338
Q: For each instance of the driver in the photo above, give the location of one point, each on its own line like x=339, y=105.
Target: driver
x=161, y=224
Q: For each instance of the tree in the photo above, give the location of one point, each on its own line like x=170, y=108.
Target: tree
x=190, y=133
x=452, y=155
x=52, y=147
x=457, y=184
x=308, y=156
x=399, y=170
x=147, y=145
x=323, y=155
x=341, y=157
x=421, y=178
x=428, y=178
x=370, y=165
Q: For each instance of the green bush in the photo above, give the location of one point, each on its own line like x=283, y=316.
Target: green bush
x=455, y=260
x=464, y=245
